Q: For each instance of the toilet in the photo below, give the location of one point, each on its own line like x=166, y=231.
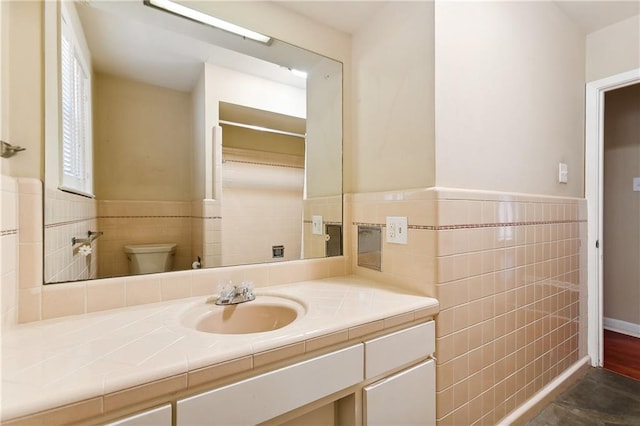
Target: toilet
x=148, y=258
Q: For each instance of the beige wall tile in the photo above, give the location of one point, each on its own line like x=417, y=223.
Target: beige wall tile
x=30, y=268
x=142, y=289
x=30, y=304
x=175, y=285
x=105, y=294
x=63, y=299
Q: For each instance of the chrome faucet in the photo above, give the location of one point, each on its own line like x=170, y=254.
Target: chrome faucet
x=234, y=294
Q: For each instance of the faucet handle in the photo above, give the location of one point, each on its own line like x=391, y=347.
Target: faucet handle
x=247, y=288
x=225, y=290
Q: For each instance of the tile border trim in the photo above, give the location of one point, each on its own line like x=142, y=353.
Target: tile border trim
x=73, y=222
x=478, y=225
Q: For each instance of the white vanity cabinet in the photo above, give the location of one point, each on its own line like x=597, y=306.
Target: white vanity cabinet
x=263, y=397
x=406, y=397
x=160, y=416
x=393, y=374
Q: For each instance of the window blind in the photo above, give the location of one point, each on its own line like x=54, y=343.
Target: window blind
x=75, y=107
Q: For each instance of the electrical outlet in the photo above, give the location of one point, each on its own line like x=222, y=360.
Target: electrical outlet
x=316, y=224
x=397, y=229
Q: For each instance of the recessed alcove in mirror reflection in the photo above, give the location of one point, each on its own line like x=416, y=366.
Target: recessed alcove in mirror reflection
x=201, y=139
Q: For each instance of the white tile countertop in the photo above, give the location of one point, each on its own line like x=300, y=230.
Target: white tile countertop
x=52, y=363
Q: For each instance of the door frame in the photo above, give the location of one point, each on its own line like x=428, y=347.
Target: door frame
x=594, y=167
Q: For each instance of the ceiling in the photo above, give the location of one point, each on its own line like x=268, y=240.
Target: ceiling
x=350, y=16
x=346, y=16
x=595, y=15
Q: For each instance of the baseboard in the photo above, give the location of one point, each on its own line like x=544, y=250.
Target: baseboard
x=623, y=327
x=547, y=394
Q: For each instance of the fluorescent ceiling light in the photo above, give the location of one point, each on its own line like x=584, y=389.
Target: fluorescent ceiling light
x=203, y=18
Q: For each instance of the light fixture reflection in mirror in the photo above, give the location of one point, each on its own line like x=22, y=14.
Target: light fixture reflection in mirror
x=166, y=168
x=186, y=12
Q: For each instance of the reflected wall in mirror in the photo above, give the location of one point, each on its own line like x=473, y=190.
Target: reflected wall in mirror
x=201, y=140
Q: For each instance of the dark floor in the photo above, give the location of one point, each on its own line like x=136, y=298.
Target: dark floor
x=601, y=398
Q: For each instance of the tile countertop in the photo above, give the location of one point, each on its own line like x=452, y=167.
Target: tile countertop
x=48, y=364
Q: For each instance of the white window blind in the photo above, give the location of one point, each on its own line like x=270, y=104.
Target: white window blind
x=76, y=161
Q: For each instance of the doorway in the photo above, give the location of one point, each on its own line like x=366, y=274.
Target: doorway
x=621, y=230
x=594, y=190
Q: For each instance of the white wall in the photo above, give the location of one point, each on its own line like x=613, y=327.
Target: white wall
x=509, y=97
x=4, y=84
x=613, y=49
x=142, y=141
x=199, y=138
x=393, y=95
x=22, y=88
x=324, y=138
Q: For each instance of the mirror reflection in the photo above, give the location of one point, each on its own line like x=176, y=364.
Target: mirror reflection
x=204, y=149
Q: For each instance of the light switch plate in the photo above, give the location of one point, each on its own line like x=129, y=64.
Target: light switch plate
x=636, y=183
x=397, y=229
x=316, y=222
x=563, y=173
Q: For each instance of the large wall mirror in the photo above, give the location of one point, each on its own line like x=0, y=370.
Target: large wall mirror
x=202, y=148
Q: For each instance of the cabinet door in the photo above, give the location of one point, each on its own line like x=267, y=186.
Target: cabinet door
x=160, y=416
x=406, y=398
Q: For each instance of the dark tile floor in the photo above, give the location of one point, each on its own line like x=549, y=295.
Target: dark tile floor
x=601, y=398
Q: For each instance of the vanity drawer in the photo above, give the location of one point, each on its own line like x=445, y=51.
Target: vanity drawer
x=400, y=348
x=268, y=395
x=160, y=416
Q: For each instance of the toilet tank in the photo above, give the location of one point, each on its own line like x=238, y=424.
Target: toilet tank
x=149, y=258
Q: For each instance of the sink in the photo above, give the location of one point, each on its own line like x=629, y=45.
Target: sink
x=265, y=313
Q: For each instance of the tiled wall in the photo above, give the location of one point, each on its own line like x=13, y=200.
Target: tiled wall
x=30, y=250
x=508, y=271
x=142, y=222
x=509, y=282
x=330, y=208
x=261, y=207
x=9, y=240
x=253, y=221
x=410, y=266
x=110, y=293
x=25, y=298
x=206, y=232
x=66, y=216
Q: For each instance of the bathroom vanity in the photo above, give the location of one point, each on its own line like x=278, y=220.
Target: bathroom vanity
x=356, y=353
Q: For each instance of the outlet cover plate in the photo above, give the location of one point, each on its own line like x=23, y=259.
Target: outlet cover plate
x=397, y=229
x=563, y=173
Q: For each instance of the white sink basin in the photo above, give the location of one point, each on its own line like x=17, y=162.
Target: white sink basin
x=265, y=313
